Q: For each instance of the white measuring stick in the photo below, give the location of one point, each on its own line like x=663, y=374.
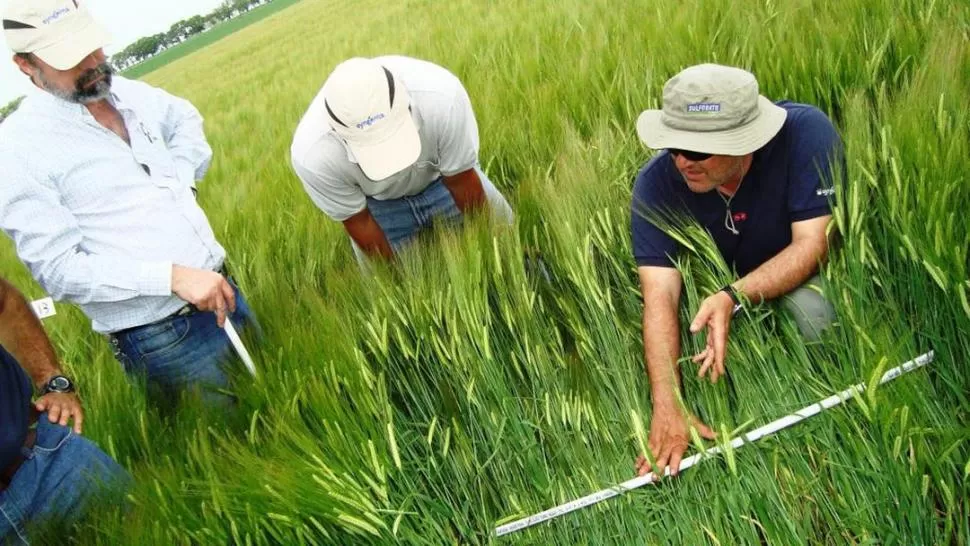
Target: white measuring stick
x=748, y=438
x=237, y=344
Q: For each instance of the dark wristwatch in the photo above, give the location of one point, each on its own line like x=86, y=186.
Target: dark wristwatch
x=59, y=383
x=734, y=297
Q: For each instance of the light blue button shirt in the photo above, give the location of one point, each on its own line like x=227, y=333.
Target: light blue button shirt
x=98, y=222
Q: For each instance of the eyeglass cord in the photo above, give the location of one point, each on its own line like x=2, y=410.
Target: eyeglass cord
x=728, y=215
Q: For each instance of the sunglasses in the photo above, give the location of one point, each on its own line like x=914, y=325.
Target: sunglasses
x=689, y=155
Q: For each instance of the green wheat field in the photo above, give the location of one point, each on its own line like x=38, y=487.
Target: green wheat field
x=465, y=388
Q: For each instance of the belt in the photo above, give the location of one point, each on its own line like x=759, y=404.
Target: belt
x=7, y=474
x=184, y=311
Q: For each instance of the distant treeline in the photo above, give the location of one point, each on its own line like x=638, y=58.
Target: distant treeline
x=149, y=46
x=145, y=48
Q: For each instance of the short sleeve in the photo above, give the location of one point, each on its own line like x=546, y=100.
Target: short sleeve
x=336, y=197
x=817, y=160
x=458, y=140
x=651, y=246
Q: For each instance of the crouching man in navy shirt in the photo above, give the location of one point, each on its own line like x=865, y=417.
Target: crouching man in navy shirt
x=758, y=177
x=48, y=472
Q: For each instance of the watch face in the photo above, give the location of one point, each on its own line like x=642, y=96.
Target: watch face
x=60, y=384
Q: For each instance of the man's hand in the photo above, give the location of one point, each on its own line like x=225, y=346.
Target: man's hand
x=715, y=315
x=207, y=290
x=669, y=437
x=61, y=407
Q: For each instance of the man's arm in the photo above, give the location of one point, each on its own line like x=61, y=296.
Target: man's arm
x=791, y=267
x=48, y=240
x=367, y=233
x=661, y=287
x=783, y=273
x=458, y=145
x=182, y=129
x=22, y=335
x=466, y=188
x=670, y=424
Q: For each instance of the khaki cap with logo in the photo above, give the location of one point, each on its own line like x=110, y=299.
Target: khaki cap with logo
x=368, y=107
x=712, y=109
x=61, y=32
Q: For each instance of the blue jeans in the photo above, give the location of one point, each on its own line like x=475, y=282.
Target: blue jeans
x=403, y=219
x=61, y=475
x=184, y=352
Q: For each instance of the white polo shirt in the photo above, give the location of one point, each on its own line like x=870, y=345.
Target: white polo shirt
x=449, y=143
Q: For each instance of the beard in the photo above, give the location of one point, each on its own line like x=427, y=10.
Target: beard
x=84, y=91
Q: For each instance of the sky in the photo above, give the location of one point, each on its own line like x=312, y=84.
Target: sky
x=127, y=20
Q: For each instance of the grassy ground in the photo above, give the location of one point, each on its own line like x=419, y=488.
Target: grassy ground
x=428, y=404
x=200, y=41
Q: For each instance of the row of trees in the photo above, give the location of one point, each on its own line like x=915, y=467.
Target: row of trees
x=149, y=46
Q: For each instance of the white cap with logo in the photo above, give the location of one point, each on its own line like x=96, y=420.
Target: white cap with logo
x=368, y=107
x=61, y=32
x=712, y=109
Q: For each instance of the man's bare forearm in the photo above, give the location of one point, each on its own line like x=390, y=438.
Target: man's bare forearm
x=466, y=189
x=23, y=336
x=367, y=233
x=661, y=345
x=785, y=272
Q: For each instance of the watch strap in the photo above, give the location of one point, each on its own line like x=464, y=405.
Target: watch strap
x=738, y=305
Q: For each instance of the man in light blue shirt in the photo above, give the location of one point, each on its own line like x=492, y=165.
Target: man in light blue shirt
x=98, y=194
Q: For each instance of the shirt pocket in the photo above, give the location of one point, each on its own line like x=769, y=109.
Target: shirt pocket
x=149, y=149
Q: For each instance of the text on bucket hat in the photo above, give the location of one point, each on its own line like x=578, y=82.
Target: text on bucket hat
x=61, y=32
x=712, y=109
x=368, y=107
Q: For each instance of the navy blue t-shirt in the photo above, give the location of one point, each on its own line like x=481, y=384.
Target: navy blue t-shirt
x=15, y=393
x=790, y=180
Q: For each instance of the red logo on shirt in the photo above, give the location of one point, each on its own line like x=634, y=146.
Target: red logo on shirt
x=740, y=216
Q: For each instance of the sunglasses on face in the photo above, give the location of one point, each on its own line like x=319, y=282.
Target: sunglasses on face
x=689, y=155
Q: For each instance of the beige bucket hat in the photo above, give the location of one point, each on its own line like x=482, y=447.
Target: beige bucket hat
x=712, y=109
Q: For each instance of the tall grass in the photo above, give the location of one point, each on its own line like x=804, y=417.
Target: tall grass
x=467, y=387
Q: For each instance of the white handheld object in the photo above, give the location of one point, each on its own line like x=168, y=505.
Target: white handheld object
x=237, y=344
x=753, y=436
x=44, y=308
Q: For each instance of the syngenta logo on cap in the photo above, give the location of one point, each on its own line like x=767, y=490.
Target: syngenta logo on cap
x=371, y=120
x=704, y=107
x=55, y=16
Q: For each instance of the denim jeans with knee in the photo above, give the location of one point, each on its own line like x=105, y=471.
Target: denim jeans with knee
x=184, y=352
x=403, y=219
x=61, y=476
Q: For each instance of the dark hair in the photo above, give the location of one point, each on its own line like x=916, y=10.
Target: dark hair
x=25, y=56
